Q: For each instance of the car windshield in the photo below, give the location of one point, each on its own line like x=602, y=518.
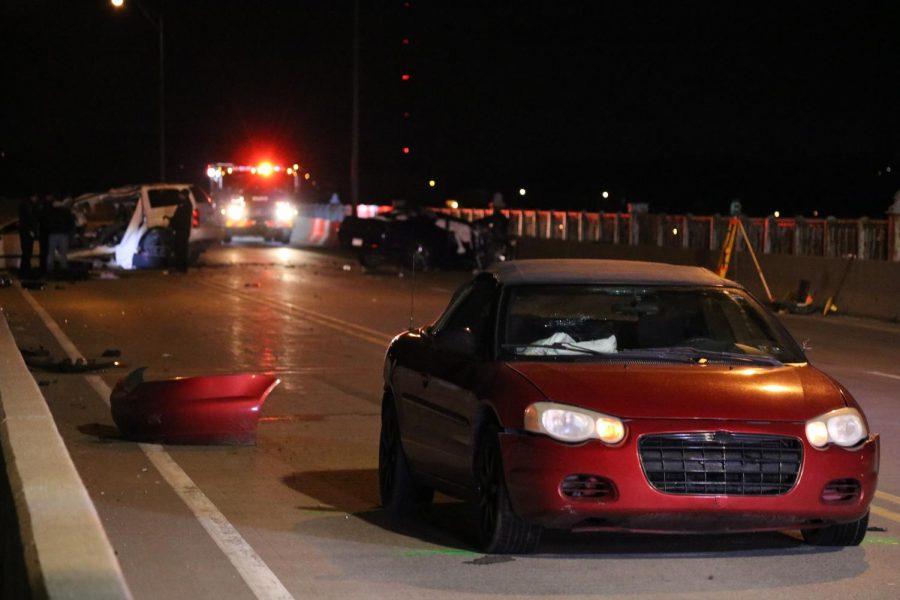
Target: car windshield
x=682, y=324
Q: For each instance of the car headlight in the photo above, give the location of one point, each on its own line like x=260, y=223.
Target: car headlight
x=284, y=211
x=237, y=210
x=572, y=424
x=844, y=427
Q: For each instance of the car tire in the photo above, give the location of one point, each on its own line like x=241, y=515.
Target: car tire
x=370, y=260
x=400, y=494
x=500, y=529
x=842, y=534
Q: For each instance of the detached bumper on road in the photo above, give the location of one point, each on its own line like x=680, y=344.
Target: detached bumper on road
x=536, y=466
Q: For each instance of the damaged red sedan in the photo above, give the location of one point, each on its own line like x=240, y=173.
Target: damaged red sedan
x=613, y=395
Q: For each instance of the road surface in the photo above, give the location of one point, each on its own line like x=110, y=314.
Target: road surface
x=298, y=516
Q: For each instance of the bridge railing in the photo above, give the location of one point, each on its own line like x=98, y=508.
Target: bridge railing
x=869, y=239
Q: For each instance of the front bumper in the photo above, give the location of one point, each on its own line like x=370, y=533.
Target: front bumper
x=261, y=227
x=535, y=466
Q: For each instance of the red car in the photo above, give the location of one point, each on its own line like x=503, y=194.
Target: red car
x=615, y=395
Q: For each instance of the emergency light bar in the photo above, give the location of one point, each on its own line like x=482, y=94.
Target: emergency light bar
x=264, y=169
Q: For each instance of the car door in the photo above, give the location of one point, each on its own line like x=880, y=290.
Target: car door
x=457, y=358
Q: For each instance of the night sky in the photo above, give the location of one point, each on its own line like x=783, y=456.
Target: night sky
x=683, y=105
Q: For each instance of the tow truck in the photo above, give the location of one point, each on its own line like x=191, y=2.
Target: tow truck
x=256, y=200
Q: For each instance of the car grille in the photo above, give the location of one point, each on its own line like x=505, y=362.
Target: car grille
x=721, y=463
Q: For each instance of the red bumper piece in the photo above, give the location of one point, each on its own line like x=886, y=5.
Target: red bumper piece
x=216, y=409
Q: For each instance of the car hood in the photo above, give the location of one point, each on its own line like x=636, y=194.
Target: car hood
x=788, y=393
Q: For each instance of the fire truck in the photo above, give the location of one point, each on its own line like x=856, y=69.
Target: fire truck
x=256, y=200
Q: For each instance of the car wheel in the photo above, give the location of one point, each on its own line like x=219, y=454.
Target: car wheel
x=370, y=260
x=843, y=534
x=500, y=530
x=400, y=494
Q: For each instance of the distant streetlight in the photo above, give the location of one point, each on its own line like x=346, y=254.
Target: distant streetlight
x=777, y=214
x=432, y=183
x=605, y=194
x=674, y=231
x=159, y=25
x=522, y=191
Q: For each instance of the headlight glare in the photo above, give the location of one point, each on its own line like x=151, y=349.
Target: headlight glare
x=572, y=424
x=844, y=427
x=284, y=211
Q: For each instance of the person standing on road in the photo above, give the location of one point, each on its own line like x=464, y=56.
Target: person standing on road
x=60, y=223
x=180, y=225
x=28, y=228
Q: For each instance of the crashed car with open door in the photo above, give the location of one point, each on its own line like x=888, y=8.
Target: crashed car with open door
x=129, y=227
x=419, y=239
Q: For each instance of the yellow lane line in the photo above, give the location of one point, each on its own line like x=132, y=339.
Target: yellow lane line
x=372, y=336
x=888, y=497
x=883, y=512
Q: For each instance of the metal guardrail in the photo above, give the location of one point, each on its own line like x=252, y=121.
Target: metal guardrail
x=870, y=239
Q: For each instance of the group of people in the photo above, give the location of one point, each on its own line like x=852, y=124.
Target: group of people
x=50, y=222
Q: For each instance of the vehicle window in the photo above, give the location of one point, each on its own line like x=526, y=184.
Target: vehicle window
x=166, y=197
x=200, y=196
x=567, y=320
x=472, y=312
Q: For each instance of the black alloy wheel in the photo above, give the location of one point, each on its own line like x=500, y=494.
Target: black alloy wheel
x=842, y=534
x=500, y=530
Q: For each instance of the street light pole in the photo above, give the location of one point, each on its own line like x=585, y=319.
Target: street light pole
x=159, y=24
x=162, y=100
x=354, y=143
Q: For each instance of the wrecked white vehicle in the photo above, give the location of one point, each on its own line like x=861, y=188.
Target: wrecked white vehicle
x=128, y=227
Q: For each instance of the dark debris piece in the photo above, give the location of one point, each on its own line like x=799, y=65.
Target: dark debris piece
x=876, y=529
x=31, y=352
x=5, y=281
x=111, y=353
x=32, y=284
x=67, y=365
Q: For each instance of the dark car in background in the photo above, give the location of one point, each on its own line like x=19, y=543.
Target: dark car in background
x=423, y=240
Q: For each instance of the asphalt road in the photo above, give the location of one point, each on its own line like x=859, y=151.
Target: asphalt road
x=297, y=515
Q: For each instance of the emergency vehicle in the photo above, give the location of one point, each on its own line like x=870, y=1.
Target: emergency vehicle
x=256, y=200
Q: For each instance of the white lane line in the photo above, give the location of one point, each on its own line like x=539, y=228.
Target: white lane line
x=252, y=569
x=880, y=374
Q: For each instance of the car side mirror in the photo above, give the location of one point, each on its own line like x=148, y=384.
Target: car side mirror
x=458, y=341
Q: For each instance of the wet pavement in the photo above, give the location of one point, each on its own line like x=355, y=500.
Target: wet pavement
x=304, y=500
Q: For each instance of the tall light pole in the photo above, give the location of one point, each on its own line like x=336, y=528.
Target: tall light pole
x=354, y=144
x=159, y=25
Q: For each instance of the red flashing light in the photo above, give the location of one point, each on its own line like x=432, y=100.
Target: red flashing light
x=406, y=41
x=406, y=114
x=405, y=77
x=405, y=149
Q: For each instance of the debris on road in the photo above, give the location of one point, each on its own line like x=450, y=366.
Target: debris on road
x=32, y=284
x=347, y=268
x=5, y=281
x=214, y=409
x=39, y=358
x=111, y=353
x=254, y=284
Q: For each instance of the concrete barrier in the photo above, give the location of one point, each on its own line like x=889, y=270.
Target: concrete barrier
x=54, y=544
x=871, y=289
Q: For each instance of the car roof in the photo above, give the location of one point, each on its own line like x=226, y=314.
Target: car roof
x=582, y=270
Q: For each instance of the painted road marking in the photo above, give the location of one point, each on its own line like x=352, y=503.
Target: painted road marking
x=252, y=569
x=883, y=512
x=888, y=497
x=880, y=374
x=373, y=336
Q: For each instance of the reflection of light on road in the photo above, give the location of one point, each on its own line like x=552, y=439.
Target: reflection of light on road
x=283, y=254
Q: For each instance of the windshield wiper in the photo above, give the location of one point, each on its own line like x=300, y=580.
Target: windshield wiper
x=697, y=353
